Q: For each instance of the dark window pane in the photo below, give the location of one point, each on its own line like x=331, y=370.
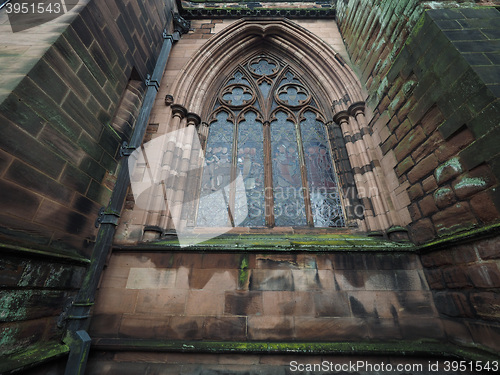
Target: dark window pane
x=213, y=207
x=321, y=177
x=289, y=207
x=251, y=165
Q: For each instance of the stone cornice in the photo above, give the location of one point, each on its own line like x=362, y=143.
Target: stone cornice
x=239, y=9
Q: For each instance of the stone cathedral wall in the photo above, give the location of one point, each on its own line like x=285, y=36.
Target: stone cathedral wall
x=435, y=102
x=71, y=91
x=261, y=297
x=433, y=83
x=432, y=87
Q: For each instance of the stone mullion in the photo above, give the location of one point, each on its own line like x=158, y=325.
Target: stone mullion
x=303, y=174
x=203, y=134
x=196, y=168
x=232, y=178
x=268, y=176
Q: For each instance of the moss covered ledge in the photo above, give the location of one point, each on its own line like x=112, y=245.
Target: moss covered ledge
x=277, y=243
x=32, y=356
x=460, y=238
x=404, y=348
x=326, y=242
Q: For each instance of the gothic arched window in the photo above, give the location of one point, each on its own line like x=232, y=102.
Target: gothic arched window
x=267, y=126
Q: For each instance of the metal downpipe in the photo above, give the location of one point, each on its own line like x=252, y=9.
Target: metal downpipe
x=78, y=315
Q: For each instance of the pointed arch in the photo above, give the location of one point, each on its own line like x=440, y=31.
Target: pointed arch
x=316, y=60
x=290, y=115
x=214, y=116
x=309, y=108
x=246, y=110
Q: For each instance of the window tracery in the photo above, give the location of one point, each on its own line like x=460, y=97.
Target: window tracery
x=266, y=125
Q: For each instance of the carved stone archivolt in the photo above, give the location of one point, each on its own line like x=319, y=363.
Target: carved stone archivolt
x=314, y=60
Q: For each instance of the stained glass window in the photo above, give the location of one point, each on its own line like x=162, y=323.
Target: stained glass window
x=269, y=117
x=217, y=173
x=289, y=209
x=251, y=165
x=321, y=177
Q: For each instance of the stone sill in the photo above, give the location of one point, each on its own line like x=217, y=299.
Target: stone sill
x=307, y=241
x=326, y=242
x=404, y=348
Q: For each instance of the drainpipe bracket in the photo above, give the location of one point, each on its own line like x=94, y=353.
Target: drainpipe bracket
x=181, y=25
x=74, y=311
x=126, y=149
x=63, y=317
x=107, y=217
x=167, y=36
x=152, y=82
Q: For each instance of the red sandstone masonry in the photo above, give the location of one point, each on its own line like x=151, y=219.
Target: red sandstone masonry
x=332, y=297
x=465, y=282
x=412, y=119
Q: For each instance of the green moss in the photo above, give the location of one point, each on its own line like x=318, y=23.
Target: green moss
x=453, y=163
x=396, y=228
x=416, y=29
x=12, y=305
x=408, y=87
x=113, y=131
x=470, y=182
x=403, y=348
x=243, y=272
x=460, y=237
x=286, y=242
x=8, y=339
x=383, y=86
x=45, y=252
x=440, y=193
x=33, y=355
